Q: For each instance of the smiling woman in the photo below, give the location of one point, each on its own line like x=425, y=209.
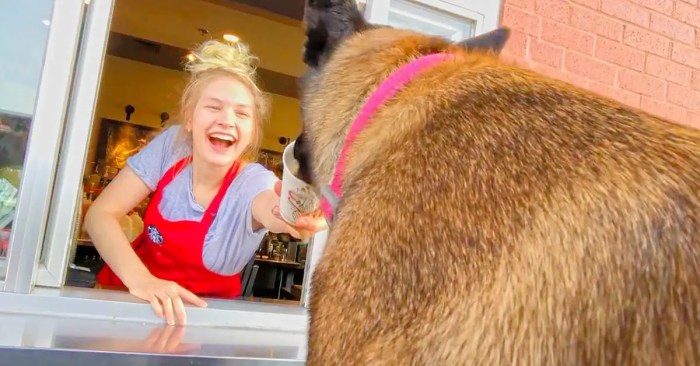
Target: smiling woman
x=211, y=203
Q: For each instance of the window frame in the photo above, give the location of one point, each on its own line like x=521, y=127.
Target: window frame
x=41, y=156
x=62, y=221
x=486, y=14
x=66, y=99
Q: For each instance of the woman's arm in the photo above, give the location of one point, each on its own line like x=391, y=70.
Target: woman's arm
x=102, y=223
x=265, y=211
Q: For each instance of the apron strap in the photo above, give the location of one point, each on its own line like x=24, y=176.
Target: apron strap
x=173, y=171
x=213, y=208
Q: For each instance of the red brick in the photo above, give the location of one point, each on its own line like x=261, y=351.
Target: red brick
x=644, y=40
x=687, y=13
x=672, y=28
x=663, y=109
x=558, y=10
x=517, y=44
x=642, y=84
x=589, y=67
x=619, y=54
x=623, y=96
x=686, y=55
x=662, y=6
x=626, y=10
x=593, y=4
x=668, y=70
x=596, y=23
x=695, y=80
x=683, y=96
x=546, y=53
x=567, y=37
x=523, y=4
x=520, y=20
x=693, y=119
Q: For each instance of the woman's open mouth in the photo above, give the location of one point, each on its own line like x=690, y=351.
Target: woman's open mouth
x=221, y=142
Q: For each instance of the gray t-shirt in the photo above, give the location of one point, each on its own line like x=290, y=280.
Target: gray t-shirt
x=231, y=242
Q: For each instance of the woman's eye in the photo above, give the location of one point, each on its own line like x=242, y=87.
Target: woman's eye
x=243, y=115
x=213, y=107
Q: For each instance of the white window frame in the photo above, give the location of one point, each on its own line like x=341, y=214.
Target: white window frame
x=45, y=217
x=60, y=230
x=485, y=13
x=38, y=173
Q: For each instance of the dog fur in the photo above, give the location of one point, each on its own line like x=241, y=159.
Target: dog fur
x=491, y=215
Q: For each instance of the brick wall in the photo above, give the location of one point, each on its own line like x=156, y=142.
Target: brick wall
x=644, y=53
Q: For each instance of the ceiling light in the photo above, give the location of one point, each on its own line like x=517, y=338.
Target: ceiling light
x=231, y=38
x=190, y=57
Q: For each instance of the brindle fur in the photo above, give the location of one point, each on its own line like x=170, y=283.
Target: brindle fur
x=493, y=216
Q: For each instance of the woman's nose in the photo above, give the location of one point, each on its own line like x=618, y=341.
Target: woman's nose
x=229, y=117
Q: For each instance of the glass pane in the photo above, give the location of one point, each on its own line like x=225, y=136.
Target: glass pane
x=24, y=28
x=411, y=15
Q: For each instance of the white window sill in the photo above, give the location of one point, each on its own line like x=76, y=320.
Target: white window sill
x=121, y=306
x=61, y=336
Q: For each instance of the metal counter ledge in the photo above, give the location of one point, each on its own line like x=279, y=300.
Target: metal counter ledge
x=99, y=327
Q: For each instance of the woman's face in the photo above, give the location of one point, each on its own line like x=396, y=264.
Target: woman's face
x=222, y=123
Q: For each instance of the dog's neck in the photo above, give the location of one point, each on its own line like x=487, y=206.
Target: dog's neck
x=387, y=89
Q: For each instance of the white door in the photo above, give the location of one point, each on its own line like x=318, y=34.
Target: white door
x=452, y=19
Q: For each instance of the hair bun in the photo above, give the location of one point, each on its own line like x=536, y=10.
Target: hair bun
x=231, y=57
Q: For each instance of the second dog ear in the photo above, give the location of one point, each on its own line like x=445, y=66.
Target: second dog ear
x=492, y=41
x=327, y=23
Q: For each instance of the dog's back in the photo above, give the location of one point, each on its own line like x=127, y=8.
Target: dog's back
x=492, y=216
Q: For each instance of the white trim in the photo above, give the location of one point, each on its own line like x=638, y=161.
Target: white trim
x=314, y=253
x=42, y=150
x=60, y=231
x=3, y=269
x=486, y=14
x=121, y=306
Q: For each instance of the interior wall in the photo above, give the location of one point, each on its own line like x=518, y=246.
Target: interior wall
x=153, y=90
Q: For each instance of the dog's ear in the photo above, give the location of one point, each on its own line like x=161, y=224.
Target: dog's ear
x=492, y=41
x=327, y=23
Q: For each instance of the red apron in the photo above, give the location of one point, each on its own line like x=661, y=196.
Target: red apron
x=172, y=250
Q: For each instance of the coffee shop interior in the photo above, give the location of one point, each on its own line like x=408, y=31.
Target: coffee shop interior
x=141, y=81
x=139, y=91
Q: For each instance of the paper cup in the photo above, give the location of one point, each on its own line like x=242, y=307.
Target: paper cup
x=296, y=197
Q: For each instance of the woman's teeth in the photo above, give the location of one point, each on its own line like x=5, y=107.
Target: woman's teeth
x=221, y=139
x=222, y=136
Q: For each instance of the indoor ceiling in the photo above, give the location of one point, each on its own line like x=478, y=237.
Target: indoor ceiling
x=272, y=28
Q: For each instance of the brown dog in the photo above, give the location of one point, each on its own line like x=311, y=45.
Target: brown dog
x=492, y=216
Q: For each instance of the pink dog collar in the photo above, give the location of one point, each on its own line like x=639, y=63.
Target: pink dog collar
x=386, y=90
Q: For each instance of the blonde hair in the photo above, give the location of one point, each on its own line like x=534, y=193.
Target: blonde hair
x=213, y=59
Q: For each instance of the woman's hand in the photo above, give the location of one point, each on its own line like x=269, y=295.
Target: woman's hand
x=305, y=226
x=166, y=298
x=266, y=213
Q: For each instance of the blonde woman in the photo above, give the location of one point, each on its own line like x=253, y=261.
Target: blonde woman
x=211, y=205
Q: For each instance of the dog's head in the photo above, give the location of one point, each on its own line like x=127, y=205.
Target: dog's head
x=347, y=59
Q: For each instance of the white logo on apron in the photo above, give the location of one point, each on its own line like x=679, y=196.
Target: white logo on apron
x=154, y=234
